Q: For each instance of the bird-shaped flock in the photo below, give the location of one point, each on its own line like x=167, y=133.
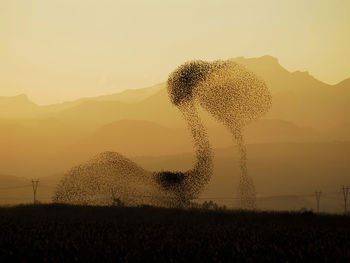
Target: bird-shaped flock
x=229, y=92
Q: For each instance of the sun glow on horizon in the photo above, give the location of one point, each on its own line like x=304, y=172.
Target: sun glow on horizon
x=56, y=51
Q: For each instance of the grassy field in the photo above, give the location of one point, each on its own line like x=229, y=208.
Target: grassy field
x=58, y=233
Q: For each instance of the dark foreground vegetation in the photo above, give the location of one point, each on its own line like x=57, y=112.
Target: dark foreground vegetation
x=57, y=233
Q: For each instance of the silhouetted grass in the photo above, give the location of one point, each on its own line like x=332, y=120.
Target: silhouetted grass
x=60, y=233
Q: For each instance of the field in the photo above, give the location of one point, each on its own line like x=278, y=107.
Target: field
x=58, y=233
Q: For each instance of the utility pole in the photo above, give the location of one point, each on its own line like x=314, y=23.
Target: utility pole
x=35, y=187
x=318, y=197
x=345, y=193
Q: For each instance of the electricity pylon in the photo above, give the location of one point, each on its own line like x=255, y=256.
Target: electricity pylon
x=318, y=197
x=345, y=193
x=35, y=187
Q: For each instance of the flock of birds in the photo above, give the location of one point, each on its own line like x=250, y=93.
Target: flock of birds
x=232, y=94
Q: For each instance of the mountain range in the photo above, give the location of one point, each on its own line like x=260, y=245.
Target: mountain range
x=45, y=140
x=285, y=175
x=297, y=97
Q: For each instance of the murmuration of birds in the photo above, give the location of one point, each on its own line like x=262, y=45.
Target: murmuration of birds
x=232, y=94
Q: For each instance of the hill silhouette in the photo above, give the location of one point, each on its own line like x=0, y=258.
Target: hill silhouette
x=297, y=97
x=21, y=106
x=38, y=141
x=50, y=146
x=286, y=175
x=344, y=84
x=17, y=107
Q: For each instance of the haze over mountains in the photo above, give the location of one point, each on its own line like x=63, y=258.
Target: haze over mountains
x=39, y=141
x=285, y=175
x=298, y=97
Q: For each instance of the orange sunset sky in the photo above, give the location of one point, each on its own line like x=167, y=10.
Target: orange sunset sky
x=61, y=50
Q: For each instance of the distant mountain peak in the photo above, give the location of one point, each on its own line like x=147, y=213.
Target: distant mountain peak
x=20, y=98
x=265, y=58
x=269, y=57
x=298, y=72
x=266, y=62
x=344, y=83
x=15, y=96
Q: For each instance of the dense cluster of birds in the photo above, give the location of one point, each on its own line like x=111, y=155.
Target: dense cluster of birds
x=229, y=92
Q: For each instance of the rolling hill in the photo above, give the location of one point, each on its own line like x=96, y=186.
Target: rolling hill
x=21, y=106
x=38, y=141
x=297, y=97
x=49, y=146
x=286, y=175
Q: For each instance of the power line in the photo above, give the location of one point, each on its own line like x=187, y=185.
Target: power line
x=27, y=185
x=48, y=186
x=327, y=195
x=14, y=187
x=214, y=197
x=202, y=197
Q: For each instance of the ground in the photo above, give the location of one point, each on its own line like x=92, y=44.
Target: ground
x=59, y=233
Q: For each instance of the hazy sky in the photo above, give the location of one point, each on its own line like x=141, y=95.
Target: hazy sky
x=56, y=50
